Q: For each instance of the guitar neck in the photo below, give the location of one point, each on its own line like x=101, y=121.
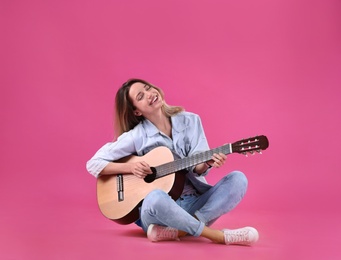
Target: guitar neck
x=181, y=164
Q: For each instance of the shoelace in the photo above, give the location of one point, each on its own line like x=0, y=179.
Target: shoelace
x=166, y=233
x=237, y=236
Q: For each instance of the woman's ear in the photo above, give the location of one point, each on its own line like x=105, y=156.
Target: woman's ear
x=137, y=113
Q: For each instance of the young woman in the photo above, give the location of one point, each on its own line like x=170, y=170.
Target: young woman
x=144, y=121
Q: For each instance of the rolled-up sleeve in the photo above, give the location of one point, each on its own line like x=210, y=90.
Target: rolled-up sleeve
x=110, y=152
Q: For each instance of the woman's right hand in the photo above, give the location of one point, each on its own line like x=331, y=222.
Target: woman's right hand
x=140, y=169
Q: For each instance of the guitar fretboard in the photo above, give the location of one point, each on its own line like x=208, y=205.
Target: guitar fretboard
x=181, y=164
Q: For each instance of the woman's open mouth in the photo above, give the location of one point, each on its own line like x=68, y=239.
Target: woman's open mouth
x=155, y=98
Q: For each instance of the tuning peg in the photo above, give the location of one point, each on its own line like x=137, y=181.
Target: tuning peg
x=252, y=152
x=245, y=153
x=259, y=151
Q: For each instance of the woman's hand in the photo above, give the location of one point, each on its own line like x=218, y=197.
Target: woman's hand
x=218, y=160
x=140, y=169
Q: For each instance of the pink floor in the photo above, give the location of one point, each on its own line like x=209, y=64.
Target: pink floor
x=82, y=233
x=38, y=223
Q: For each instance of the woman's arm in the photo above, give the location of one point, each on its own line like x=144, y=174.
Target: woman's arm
x=104, y=160
x=139, y=169
x=201, y=168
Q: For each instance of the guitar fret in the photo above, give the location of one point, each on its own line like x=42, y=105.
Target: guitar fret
x=181, y=164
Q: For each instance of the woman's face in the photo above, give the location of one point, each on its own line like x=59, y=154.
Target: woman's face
x=146, y=99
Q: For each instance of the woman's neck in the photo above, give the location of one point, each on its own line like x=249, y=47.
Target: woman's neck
x=163, y=123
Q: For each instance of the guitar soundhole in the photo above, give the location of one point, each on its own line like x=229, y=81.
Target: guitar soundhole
x=151, y=177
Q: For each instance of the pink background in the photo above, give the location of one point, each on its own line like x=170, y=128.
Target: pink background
x=247, y=67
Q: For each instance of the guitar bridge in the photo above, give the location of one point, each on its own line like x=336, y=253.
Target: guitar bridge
x=119, y=181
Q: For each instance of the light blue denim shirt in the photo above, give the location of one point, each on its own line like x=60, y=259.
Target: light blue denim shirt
x=188, y=138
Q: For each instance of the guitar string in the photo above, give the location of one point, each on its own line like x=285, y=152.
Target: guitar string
x=184, y=163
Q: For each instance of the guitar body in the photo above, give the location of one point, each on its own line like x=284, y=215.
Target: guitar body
x=136, y=189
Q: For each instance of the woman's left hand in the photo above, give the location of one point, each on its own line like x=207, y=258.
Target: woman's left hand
x=218, y=160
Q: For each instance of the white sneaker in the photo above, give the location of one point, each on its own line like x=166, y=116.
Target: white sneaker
x=160, y=233
x=241, y=236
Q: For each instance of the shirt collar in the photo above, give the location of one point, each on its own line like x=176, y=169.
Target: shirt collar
x=177, y=125
x=150, y=128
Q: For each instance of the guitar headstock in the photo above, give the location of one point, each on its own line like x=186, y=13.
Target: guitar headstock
x=251, y=145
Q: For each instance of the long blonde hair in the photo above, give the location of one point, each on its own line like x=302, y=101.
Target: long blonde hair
x=125, y=118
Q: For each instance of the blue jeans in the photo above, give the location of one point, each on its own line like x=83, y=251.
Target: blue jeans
x=192, y=212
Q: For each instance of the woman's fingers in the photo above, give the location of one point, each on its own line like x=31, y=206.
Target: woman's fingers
x=141, y=169
x=219, y=159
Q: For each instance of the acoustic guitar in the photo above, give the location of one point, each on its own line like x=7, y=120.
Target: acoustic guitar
x=119, y=196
